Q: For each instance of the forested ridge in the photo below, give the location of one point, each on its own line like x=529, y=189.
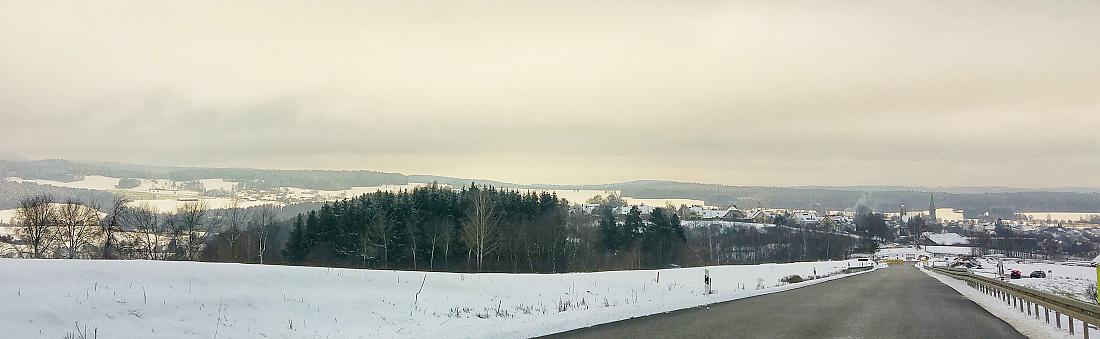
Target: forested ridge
x=975, y=200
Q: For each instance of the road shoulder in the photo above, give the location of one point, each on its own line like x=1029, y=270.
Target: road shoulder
x=1028, y=326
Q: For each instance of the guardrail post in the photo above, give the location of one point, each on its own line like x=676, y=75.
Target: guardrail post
x=1047, y=311
x=1057, y=319
x=1070, y=318
x=1029, y=307
x=1085, y=329
x=1036, y=311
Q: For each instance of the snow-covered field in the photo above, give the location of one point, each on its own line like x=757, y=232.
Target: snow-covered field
x=168, y=205
x=219, y=184
x=1065, y=280
x=147, y=299
x=358, y=190
x=102, y=183
x=947, y=238
x=94, y=182
x=1065, y=216
x=8, y=216
x=658, y=202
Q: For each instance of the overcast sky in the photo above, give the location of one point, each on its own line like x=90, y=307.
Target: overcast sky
x=743, y=93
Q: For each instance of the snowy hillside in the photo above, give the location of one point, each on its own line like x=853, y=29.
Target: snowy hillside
x=151, y=299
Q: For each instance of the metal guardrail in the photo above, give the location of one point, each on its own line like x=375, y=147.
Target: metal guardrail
x=1029, y=300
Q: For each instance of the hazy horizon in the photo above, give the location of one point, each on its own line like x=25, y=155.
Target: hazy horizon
x=932, y=94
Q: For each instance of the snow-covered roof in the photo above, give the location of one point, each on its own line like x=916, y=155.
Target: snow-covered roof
x=806, y=216
x=711, y=214
x=947, y=239
x=641, y=208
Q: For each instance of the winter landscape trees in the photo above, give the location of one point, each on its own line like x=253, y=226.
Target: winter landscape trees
x=439, y=228
x=36, y=217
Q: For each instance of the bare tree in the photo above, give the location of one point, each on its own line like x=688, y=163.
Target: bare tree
x=148, y=230
x=35, y=219
x=440, y=230
x=112, y=223
x=263, y=223
x=234, y=219
x=480, y=231
x=77, y=226
x=377, y=235
x=192, y=224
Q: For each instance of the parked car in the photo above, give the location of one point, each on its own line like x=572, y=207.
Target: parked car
x=1015, y=274
x=1038, y=274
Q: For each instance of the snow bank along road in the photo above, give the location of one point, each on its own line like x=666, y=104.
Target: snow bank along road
x=895, y=302
x=161, y=299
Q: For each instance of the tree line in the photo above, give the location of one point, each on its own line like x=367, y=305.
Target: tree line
x=470, y=229
x=48, y=227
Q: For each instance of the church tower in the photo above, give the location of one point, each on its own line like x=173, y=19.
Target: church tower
x=932, y=208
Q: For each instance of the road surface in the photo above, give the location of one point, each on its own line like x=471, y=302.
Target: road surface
x=895, y=302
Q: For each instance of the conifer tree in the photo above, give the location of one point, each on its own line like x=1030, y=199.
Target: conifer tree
x=296, y=250
x=610, y=232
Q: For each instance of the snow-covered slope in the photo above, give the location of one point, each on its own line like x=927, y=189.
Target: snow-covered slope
x=157, y=299
x=947, y=238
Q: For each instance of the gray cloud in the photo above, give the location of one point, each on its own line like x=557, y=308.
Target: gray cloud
x=929, y=93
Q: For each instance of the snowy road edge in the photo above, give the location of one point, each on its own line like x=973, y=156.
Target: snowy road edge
x=1027, y=326
x=565, y=327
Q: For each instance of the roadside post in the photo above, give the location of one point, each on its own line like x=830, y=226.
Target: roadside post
x=706, y=280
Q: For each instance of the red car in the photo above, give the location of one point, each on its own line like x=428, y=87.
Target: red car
x=1015, y=274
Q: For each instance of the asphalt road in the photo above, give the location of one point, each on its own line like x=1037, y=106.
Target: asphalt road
x=895, y=302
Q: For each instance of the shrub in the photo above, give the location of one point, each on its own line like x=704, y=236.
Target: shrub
x=791, y=279
x=1090, y=291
